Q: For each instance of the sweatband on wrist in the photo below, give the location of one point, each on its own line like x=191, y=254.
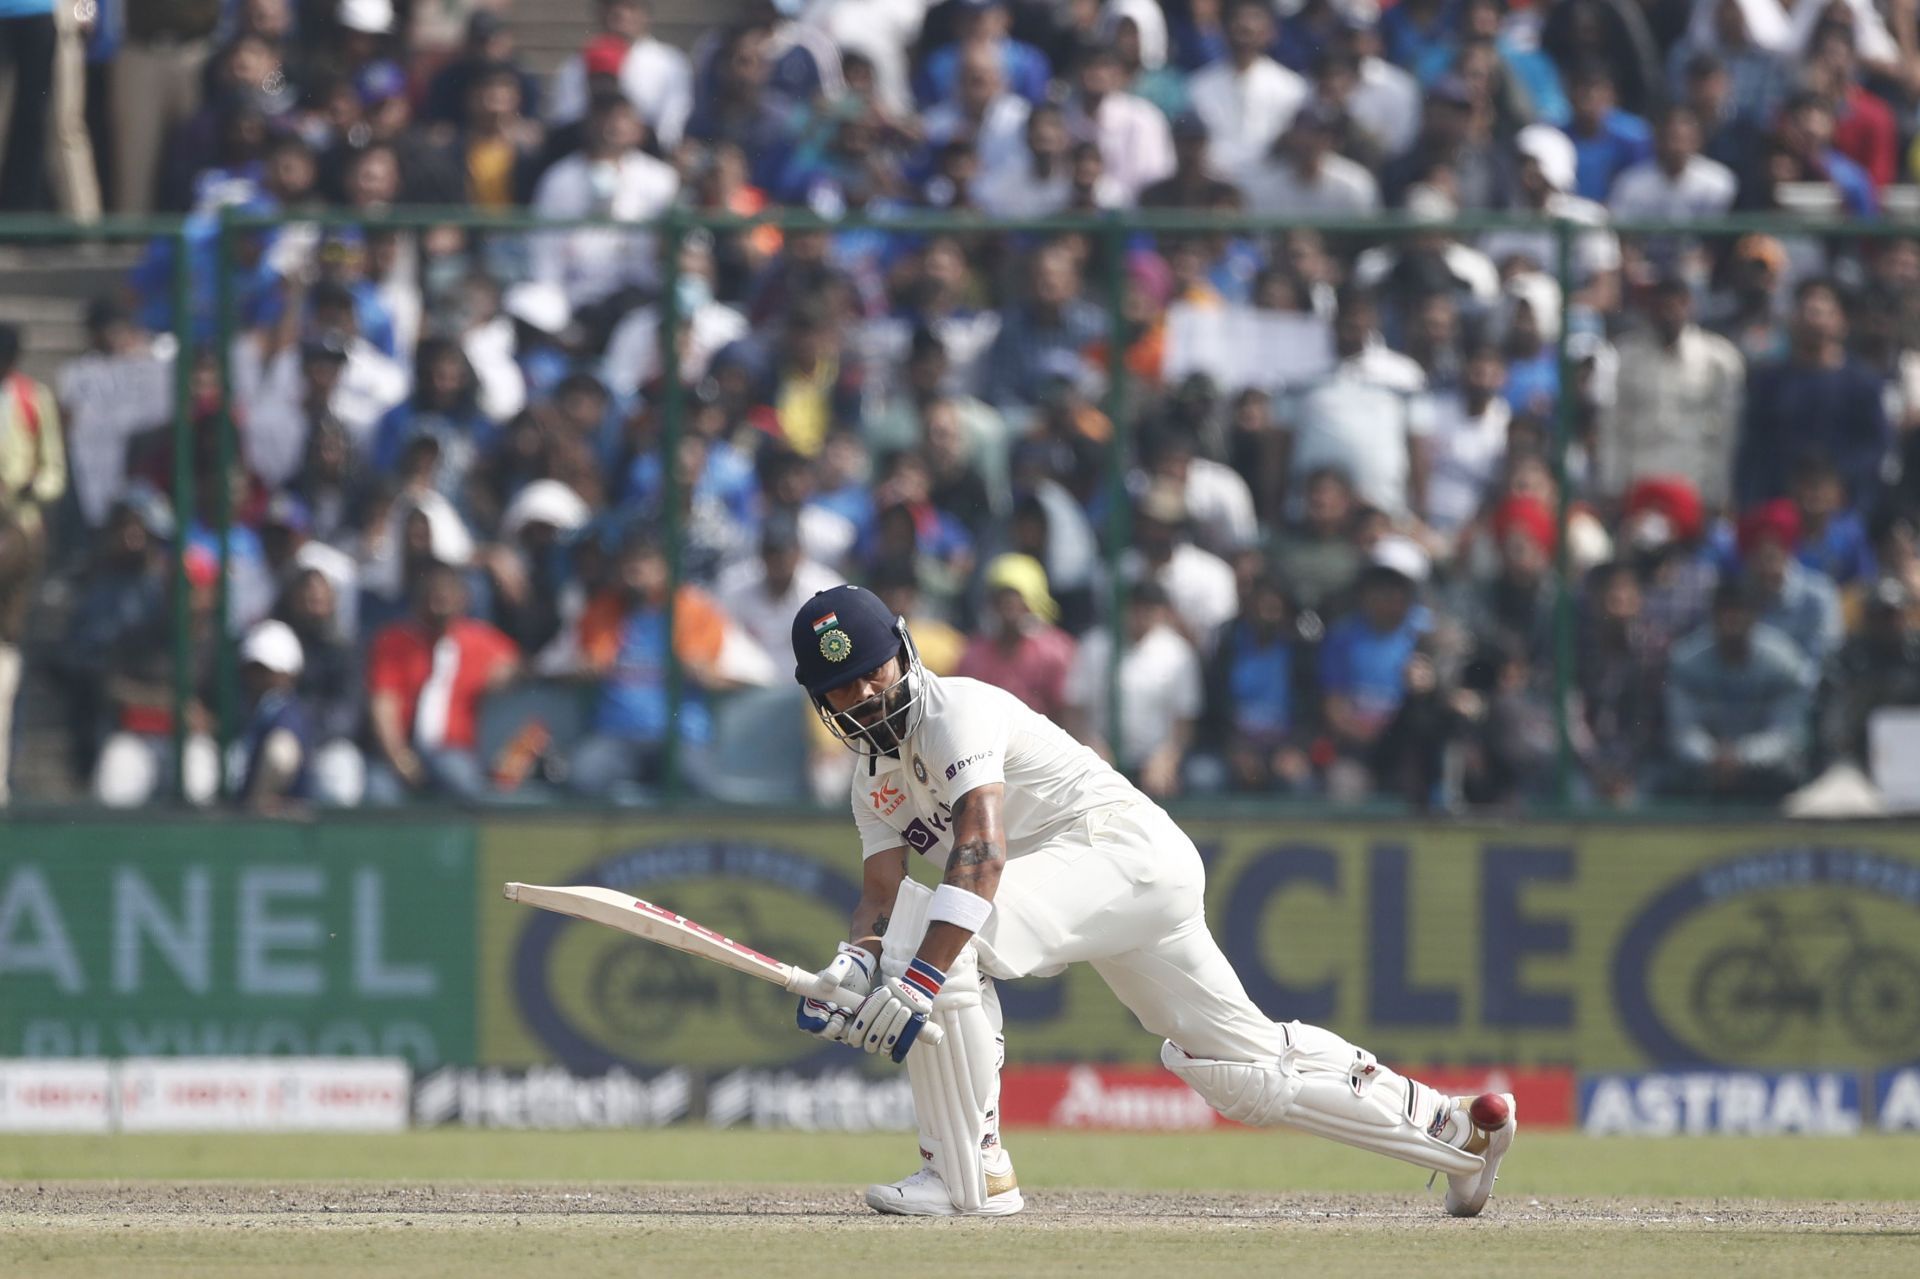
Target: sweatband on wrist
x=955, y=905
x=924, y=977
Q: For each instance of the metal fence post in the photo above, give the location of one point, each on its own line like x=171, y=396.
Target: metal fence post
x=673, y=408
x=1564, y=586
x=1113, y=264
x=225, y=675
x=183, y=503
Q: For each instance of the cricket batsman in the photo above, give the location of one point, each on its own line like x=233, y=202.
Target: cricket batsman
x=1050, y=857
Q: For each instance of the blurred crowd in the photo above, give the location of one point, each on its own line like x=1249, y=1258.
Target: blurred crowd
x=1352, y=480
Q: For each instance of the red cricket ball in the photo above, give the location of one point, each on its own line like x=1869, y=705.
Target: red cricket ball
x=1489, y=1111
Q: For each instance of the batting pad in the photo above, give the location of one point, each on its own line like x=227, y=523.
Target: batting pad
x=1326, y=1086
x=956, y=1085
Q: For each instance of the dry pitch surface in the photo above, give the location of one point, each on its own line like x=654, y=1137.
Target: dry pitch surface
x=480, y=1229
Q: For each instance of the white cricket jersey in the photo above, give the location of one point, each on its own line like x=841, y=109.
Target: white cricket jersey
x=974, y=734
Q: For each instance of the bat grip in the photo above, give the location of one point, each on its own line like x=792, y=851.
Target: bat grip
x=802, y=982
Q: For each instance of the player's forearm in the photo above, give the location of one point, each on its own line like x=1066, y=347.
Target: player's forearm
x=974, y=868
x=868, y=924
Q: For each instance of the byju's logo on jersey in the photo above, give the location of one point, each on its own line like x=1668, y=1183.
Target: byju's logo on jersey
x=887, y=800
x=924, y=836
x=962, y=765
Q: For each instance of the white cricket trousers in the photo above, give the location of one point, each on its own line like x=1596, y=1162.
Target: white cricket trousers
x=1124, y=890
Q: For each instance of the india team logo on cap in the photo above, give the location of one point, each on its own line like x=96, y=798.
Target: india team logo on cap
x=835, y=644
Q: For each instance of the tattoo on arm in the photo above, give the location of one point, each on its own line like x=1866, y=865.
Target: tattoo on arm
x=973, y=866
x=880, y=923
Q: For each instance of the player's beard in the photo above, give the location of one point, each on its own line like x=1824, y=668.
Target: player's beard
x=888, y=731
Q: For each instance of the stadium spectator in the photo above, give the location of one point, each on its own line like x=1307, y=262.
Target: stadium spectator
x=1468, y=444
x=761, y=595
x=426, y=678
x=609, y=178
x=1160, y=690
x=1136, y=146
x=1246, y=98
x=1877, y=668
x=1833, y=539
x=488, y=44
x=1318, y=555
x=1305, y=177
x=1018, y=646
x=1799, y=603
x=1607, y=140
x=1365, y=659
x=1738, y=702
x=1817, y=399
x=529, y=570
x=1620, y=670
x=623, y=645
x=1255, y=730
x=984, y=24
x=1511, y=613
x=277, y=740
x=33, y=478
x=1863, y=129
x=1369, y=418
x=1677, y=402
x=331, y=685
x=1747, y=42
x=1199, y=585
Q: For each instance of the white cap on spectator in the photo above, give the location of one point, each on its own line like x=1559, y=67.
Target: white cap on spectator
x=1541, y=294
x=1552, y=150
x=543, y=306
x=273, y=645
x=447, y=537
x=1428, y=203
x=374, y=17
x=545, y=502
x=1401, y=555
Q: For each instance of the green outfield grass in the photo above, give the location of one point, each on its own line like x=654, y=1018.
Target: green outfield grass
x=694, y=1202
x=1543, y=1163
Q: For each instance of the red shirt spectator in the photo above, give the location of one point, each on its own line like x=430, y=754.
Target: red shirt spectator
x=1864, y=132
x=441, y=663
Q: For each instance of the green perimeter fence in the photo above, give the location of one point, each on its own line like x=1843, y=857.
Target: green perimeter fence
x=1109, y=236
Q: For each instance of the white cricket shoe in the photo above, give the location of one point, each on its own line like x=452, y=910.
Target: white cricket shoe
x=924, y=1194
x=1467, y=1193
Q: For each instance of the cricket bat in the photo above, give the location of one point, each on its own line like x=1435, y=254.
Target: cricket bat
x=657, y=924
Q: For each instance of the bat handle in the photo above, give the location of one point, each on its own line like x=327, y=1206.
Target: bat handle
x=802, y=982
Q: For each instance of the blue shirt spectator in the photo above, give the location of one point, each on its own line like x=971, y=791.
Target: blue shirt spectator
x=1818, y=400
x=1603, y=154
x=1024, y=67
x=1366, y=664
x=1413, y=30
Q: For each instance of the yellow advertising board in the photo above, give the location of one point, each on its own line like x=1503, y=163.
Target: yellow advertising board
x=1603, y=948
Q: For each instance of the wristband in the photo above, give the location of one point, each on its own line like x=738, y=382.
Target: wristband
x=955, y=905
x=924, y=977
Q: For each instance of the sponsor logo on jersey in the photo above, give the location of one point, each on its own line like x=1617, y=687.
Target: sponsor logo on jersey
x=920, y=770
x=924, y=836
x=961, y=765
x=887, y=800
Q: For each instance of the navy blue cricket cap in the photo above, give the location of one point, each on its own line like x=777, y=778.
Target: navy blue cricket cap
x=839, y=635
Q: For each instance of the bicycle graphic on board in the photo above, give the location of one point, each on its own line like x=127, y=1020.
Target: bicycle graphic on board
x=1744, y=993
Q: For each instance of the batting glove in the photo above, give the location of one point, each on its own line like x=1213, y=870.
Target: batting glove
x=851, y=971
x=890, y=1019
